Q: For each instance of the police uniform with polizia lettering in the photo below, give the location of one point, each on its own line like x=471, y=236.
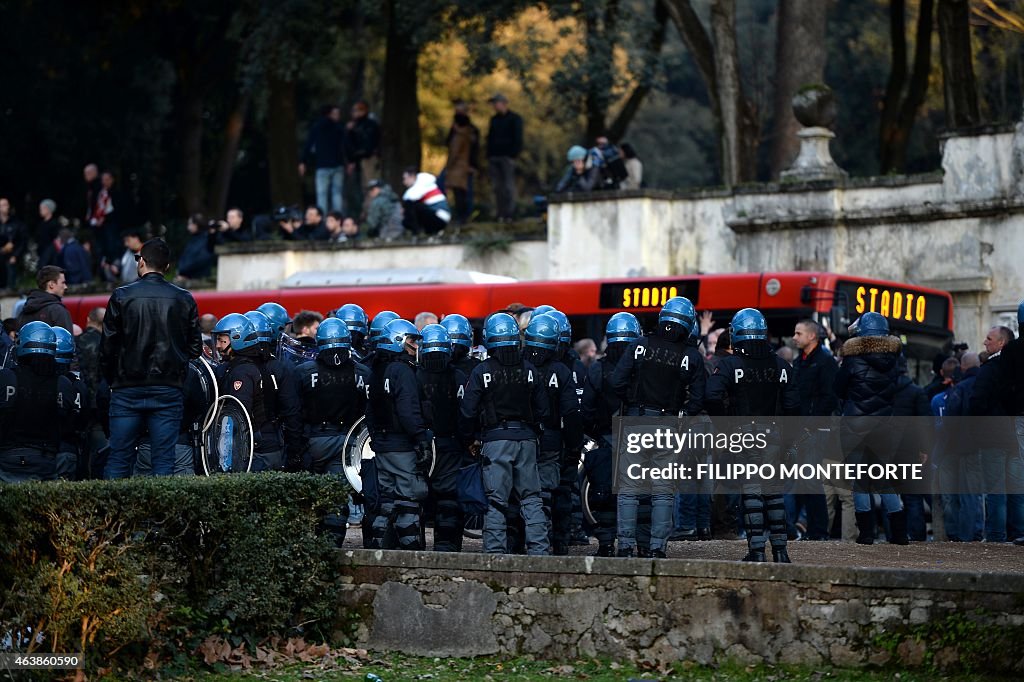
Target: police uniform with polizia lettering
x=503, y=408
x=758, y=384
x=659, y=375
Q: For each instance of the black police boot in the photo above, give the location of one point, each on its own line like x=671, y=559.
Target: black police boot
x=560, y=549
x=780, y=554
x=625, y=553
x=606, y=549
x=865, y=528
x=756, y=555
x=658, y=554
x=703, y=533
x=898, y=528
x=643, y=552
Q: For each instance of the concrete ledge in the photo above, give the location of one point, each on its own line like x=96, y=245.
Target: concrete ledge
x=727, y=570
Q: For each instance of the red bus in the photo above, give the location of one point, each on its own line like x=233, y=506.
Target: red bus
x=923, y=317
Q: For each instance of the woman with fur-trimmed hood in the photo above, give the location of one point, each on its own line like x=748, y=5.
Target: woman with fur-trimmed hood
x=866, y=384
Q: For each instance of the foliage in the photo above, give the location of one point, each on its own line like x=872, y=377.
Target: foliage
x=151, y=567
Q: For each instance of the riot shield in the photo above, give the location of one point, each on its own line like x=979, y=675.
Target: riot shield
x=588, y=513
x=211, y=390
x=293, y=351
x=228, y=444
x=357, y=448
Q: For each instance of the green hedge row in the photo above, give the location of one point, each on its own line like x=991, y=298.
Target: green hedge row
x=146, y=568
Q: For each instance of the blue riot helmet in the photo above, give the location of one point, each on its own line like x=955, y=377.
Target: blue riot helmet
x=277, y=315
x=460, y=331
x=748, y=325
x=240, y=331
x=695, y=336
x=264, y=327
x=333, y=341
x=622, y=328
x=1020, y=317
x=397, y=335
x=435, y=348
x=870, y=324
x=677, y=318
x=564, y=330
x=37, y=338
x=333, y=333
x=501, y=338
x=542, y=310
x=541, y=338
x=65, y=347
x=358, y=324
x=380, y=320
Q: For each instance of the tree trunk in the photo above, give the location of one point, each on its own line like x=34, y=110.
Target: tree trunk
x=283, y=150
x=900, y=113
x=400, y=125
x=617, y=129
x=357, y=79
x=800, y=55
x=191, y=140
x=600, y=43
x=727, y=74
x=233, y=128
x=958, y=84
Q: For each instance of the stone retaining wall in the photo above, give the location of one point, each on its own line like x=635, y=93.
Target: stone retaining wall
x=659, y=611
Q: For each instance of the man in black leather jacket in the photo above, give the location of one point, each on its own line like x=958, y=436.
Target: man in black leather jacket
x=150, y=332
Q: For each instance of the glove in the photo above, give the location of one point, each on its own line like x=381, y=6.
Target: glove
x=475, y=448
x=424, y=456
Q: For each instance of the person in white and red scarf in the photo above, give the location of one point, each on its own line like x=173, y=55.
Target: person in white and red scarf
x=425, y=207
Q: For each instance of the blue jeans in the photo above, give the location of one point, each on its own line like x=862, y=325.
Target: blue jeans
x=1002, y=472
x=135, y=411
x=917, y=527
x=329, y=184
x=890, y=502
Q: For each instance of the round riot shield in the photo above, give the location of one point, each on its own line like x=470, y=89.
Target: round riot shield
x=211, y=390
x=228, y=444
x=585, y=502
x=473, y=526
x=357, y=448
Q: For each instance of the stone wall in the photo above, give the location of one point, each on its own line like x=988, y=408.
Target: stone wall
x=657, y=611
x=264, y=265
x=961, y=231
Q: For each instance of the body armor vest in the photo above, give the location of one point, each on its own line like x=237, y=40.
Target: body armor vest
x=330, y=394
x=657, y=380
x=507, y=394
x=440, y=394
x=30, y=420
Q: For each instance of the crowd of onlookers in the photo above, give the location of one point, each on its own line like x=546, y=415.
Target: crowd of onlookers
x=98, y=236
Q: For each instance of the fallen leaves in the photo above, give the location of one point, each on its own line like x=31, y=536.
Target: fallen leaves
x=276, y=651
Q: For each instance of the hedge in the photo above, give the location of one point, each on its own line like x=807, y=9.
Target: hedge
x=142, y=570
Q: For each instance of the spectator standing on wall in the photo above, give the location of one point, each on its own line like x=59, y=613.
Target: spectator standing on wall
x=325, y=152
x=362, y=153
x=462, y=166
x=13, y=241
x=504, y=144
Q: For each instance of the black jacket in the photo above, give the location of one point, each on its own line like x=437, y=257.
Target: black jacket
x=912, y=401
x=362, y=140
x=993, y=390
x=1013, y=356
x=325, y=146
x=505, y=136
x=815, y=379
x=43, y=307
x=866, y=381
x=150, y=332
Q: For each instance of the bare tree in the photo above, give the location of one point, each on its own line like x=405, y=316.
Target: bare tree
x=903, y=99
x=958, y=83
x=717, y=60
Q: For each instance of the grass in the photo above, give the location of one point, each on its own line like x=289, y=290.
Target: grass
x=393, y=668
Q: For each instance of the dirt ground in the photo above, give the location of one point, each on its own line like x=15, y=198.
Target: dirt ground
x=940, y=556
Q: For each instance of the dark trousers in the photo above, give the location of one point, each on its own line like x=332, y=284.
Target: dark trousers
x=134, y=411
x=21, y=464
x=502, y=170
x=417, y=218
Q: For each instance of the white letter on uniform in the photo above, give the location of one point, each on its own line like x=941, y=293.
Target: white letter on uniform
x=783, y=377
x=312, y=379
x=737, y=375
x=487, y=379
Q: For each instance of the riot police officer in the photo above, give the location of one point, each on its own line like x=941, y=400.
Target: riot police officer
x=659, y=375
x=71, y=428
x=461, y=333
x=503, y=408
x=333, y=392
x=399, y=437
x=265, y=389
x=376, y=331
x=757, y=384
x=358, y=326
x=32, y=395
x=600, y=404
x=442, y=387
x=562, y=439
